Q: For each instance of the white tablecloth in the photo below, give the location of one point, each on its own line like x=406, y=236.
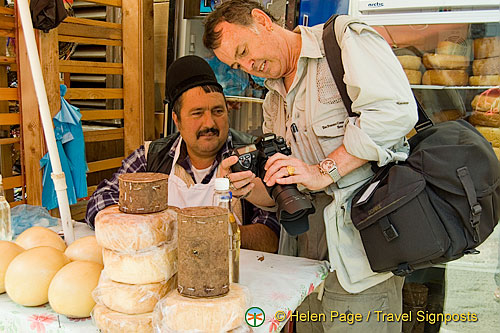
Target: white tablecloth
x=276, y=283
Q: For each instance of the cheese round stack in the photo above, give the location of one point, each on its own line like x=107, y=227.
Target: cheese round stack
x=143, y=192
x=488, y=101
x=219, y=314
x=115, y=322
x=86, y=249
x=447, y=47
x=489, y=119
x=491, y=134
x=70, y=291
x=40, y=236
x=445, y=77
x=143, y=267
x=485, y=80
x=445, y=61
x=131, y=298
x=487, y=66
x=410, y=62
x=129, y=233
x=487, y=47
x=29, y=275
x=414, y=77
x=8, y=250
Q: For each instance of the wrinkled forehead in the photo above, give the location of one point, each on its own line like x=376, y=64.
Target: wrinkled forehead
x=198, y=98
x=231, y=36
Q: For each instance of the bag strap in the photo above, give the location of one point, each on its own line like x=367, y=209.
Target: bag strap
x=475, y=207
x=333, y=56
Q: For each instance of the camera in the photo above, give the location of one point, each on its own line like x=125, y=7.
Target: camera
x=293, y=206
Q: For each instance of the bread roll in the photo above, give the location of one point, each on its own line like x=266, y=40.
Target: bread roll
x=489, y=119
x=491, y=134
x=445, y=61
x=8, y=250
x=488, y=101
x=487, y=66
x=115, y=322
x=86, y=249
x=131, y=298
x=151, y=266
x=445, y=77
x=487, y=47
x=485, y=80
x=124, y=232
x=410, y=62
x=447, y=115
x=447, y=47
x=70, y=291
x=40, y=236
x=414, y=77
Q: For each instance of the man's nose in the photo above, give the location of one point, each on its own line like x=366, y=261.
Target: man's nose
x=247, y=64
x=208, y=120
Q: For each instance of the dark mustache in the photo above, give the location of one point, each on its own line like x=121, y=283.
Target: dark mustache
x=207, y=131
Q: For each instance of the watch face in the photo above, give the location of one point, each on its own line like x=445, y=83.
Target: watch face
x=327, y=164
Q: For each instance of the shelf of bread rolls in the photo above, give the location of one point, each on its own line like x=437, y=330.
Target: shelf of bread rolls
x=436, y=87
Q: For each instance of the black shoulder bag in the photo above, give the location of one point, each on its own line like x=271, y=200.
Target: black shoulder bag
x=438, y=205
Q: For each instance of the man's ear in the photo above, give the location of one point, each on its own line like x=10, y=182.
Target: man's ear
x=174, y=117
x=261, y=18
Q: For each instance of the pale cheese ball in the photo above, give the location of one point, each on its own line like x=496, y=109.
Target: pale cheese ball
x=40, y=236
x=86, y=249
x=29, y=275
x=115, y=322
x=8, y=251
x=70, y=291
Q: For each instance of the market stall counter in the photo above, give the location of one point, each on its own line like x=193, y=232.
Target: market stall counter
x=276, y=284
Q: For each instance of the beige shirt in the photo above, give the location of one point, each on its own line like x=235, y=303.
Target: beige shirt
x=382, y=97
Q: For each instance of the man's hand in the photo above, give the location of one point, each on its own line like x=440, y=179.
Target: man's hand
x=278, y=169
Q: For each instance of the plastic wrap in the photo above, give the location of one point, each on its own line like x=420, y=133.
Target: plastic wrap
x=152, y=266
x=131, y=298
x=115, y=322
x=129, y=233
x=27, y=216
x=177, y=313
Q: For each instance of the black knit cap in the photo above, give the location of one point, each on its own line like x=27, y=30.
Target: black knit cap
x=185, y=73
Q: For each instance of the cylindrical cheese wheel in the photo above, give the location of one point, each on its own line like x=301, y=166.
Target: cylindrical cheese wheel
x=491, y=134
x=445, y=77
x=40, y=236
x=29, y=275
x=70, y=291
x=487, y=47
x=488, y=101
x=176, y=313
x=123, y=232
x=143, y=192
x=410, y=62
x=150, y=266
x=86, y=249
x=131, y=298
x=485, y=80
x=445, y=61
x=487, y=66
x=414, y=77
x=489, y=119
x=115, y=322
x=447, y=47
x=8, y=251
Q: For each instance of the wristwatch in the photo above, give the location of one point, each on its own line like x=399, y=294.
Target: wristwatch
x=329, y=167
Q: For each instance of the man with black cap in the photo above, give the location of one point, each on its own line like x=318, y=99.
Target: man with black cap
x=198, y=154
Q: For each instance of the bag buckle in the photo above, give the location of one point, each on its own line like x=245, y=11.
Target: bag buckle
x=471, y=251
x=403, y=269
x=390, y=233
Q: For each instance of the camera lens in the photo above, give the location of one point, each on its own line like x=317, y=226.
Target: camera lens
x=293, y=208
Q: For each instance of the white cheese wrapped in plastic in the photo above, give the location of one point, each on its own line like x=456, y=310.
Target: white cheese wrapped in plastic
x=123, y=232
x=115, y=322
x=131, y=298
x=141, y=267
x=177, y=313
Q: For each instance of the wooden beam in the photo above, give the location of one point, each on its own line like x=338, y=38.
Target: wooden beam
x=49, y=60
x=17, y=203
x=10, y=119
x=94, y=93
x=90, y=67
x=114, y=3
x=7, y=60
x=70, y=29
x=105, y=164
x=84, y=21
x=11, y=182
x=103, y=135
x=7, y=22
x=6, y=10
x=6, y=158
x=8, y=141
x=101, y=114
x=7, y=33
x=8, y=94
x=89, y=41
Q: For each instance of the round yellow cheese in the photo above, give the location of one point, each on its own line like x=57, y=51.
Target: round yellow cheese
x=86, y=249
x=40, y=236
x=29, y=274
x=219, y=314
x=115, y=322
x=131, y=298
x=151, y=266
x=8, y=251
x=70, y=291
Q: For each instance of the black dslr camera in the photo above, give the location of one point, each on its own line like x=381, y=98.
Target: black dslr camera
x=293, y=206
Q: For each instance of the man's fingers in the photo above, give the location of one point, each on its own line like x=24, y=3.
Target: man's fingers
x=228, y=162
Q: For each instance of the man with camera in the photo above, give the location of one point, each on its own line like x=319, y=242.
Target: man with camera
x=197, y=154
x=330, y=151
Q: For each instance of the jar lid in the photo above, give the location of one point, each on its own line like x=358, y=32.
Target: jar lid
x=222, y=184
